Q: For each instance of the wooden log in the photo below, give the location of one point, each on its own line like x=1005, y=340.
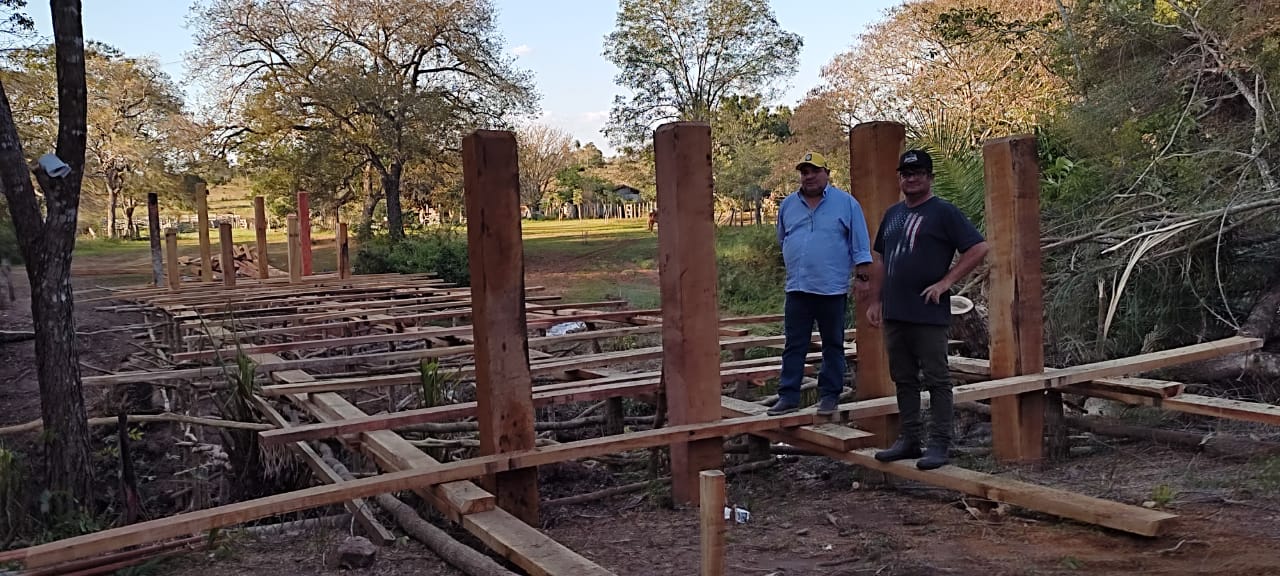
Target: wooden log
x=295, y=250
x=202, y=228
x=153, y=235
x=504, y=385
x=260, y=231
x=304, y=230
x=711, y=521
x=228, y=260
x=171, y=248
x=1017, y=307
x=687, y=276
x=873, y=155
x=344, y=252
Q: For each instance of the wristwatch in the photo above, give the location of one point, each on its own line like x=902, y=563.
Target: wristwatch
x=863, y=277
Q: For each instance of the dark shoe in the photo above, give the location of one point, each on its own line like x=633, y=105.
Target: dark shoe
x=902, y=449
x=935, y=456
x=828, y=406
x=782, y=407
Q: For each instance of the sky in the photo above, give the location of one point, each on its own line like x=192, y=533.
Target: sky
x=560, y=41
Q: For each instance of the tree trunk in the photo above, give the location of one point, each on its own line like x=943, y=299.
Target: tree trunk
x=130, y=229
x=391, y=189
x=46, y=242
x=113, y=205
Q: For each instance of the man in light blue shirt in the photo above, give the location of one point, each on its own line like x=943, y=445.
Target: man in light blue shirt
x=824, y=239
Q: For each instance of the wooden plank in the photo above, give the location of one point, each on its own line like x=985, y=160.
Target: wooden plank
x=1223, y=408
x=304, y=231
x=529, y=549
x=504, y=386
x=835, y=436
x=153, y=237
x=687, y=278
x=171, y=259
x=358, y=508
x=202, y=229
x=260, y=232
x=1136, y=386
x=873, y=155
x=344, y=251
x=711, y=521
x=228, y=259
x=295, y=249
x=1061, y=503
x=1017, y=318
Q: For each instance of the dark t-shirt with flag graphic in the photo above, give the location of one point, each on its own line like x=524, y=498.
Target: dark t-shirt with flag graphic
x=917, y=246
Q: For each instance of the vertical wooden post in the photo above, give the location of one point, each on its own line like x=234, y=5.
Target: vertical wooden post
x=295, y=250
x=874, y=148
x=202, y=226
x=153, y=223
x=504, y=387
x=687, y=275
x=171, y=258
x=304, y=230
x=344, y=252
x=1017, y=307
x=260, y=229
x=228, y=258
x=711, y=516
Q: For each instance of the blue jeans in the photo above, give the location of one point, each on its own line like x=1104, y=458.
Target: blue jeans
x=802, y=309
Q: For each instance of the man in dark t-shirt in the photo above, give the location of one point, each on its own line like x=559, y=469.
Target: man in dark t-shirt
x=911, y=295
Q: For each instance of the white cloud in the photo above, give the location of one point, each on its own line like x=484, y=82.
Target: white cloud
x=521, y=50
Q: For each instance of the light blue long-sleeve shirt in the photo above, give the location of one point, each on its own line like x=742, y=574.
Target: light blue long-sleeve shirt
x=821, y=246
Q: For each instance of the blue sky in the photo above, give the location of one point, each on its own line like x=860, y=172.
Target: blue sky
x=560, y=41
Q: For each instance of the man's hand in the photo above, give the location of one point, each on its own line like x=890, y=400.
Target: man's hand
x=934, y=293
x=875, y=314
x=861, y=289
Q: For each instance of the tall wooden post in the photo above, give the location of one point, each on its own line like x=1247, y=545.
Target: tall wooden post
x=304, y=230
x=344, y=252
x=228, y=258
x=504, y=387
x=171, y=257
x=874, y=148
x=202, y=225
x=1017, y=307
x=153, y=223
x=295, y=251
x=260, y=229
x=687, y=275
x=711, y=521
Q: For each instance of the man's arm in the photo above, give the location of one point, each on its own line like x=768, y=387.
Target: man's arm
x=876, y=273
x=969, y=259
x=859, y=249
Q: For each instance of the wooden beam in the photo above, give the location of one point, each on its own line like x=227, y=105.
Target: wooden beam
x=295, y=250
x=711, y=521
x=260, y=231
x=1061, y=503
x=504, y=386
x=833, y=435
x=153, y=235
x=873, y=159
x=687, y=277
x=344, y=252
x=202, y=229
x=304, y=230
x=529, y=549
x=228, y=258
x=171, y=259
x=1017, y=311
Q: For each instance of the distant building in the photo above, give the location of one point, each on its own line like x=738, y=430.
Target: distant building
x=627, y=193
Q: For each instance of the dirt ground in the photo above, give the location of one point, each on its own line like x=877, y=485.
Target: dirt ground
x=809, y=516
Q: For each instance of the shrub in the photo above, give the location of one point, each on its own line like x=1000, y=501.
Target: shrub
x=441, y=252
x=751, y=270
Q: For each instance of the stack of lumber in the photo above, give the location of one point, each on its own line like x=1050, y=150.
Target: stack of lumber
x=245, y=260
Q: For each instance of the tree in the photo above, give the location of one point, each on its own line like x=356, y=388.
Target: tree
x=544, y=152
x=396, y=80
x=682, y=58
x=46, y=238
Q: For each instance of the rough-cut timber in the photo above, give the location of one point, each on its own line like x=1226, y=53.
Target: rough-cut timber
x=228, y=260
x=171, y=258
x=711, y=521
x=153, y=235
x=260, y=233
x=504, y=385
x=304, y=230
x=687, y=274
x=202, y=228
x=295, y=250
x=344, y=252
x=873, y=160
x=1017, y=307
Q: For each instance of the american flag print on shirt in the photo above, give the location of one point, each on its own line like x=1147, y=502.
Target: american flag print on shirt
x=905, y=227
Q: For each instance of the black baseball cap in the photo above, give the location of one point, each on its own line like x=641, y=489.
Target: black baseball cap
x=916, y=160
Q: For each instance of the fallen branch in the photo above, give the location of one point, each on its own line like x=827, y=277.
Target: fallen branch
x=36, y=425
x=12, y=336
x=457, y=554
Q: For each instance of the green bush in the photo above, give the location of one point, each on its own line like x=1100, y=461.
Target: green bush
x=751, y=271
x=8, y=237
x=441, y=252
